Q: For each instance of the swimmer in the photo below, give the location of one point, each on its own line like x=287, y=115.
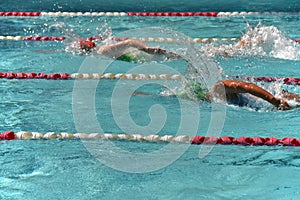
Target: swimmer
x=130, y=50
x=234, y=92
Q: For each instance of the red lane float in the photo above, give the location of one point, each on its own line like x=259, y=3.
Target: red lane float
x=8, y=135
x=44, y=38
x=245, y=141
x=33, y=75
x=18, y=14
x=172, y=14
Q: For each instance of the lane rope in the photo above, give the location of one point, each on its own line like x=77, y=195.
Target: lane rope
x=287, y=80
x=33, y=38
x=182, y=139
x=66, y=76
x=140, y=14
x=149, y=39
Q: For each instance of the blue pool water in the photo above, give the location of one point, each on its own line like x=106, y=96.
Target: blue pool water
x=72, y=169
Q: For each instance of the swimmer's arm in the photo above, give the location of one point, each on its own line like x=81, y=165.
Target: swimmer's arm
x=148, y=94
x=236, y=87
x=46, y=51
x=142, y=94
x=145, y=94
x=118, y=48
x=160, y=51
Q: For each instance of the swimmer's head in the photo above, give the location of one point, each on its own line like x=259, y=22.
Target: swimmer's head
x=196, y=90
x=87, y=45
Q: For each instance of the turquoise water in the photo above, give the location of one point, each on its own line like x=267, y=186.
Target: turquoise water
x=67, y=170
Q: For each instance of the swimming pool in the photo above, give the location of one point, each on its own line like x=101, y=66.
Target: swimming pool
x=66, y=169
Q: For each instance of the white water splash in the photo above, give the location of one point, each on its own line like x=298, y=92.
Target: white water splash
x=259, y=41
x=277, y=88
x=272, y=42
x=103, y=33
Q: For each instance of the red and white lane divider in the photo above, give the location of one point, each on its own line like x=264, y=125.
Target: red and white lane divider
x=51, y=38
x=196, y=140
x=149, y=39
x=33, y=38
x=66, y=76
x=140, y=14
x=287, y=81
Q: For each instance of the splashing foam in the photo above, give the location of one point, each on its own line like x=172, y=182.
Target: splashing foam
x=270, y=41
x=259, y=41
x=72, y=38
x=200, y=70
x=277, y=89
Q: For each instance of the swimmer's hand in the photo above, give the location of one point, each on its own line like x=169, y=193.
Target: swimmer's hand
x=283, y=105
x=154, y=50
x=160, y=51
x=45, y=51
